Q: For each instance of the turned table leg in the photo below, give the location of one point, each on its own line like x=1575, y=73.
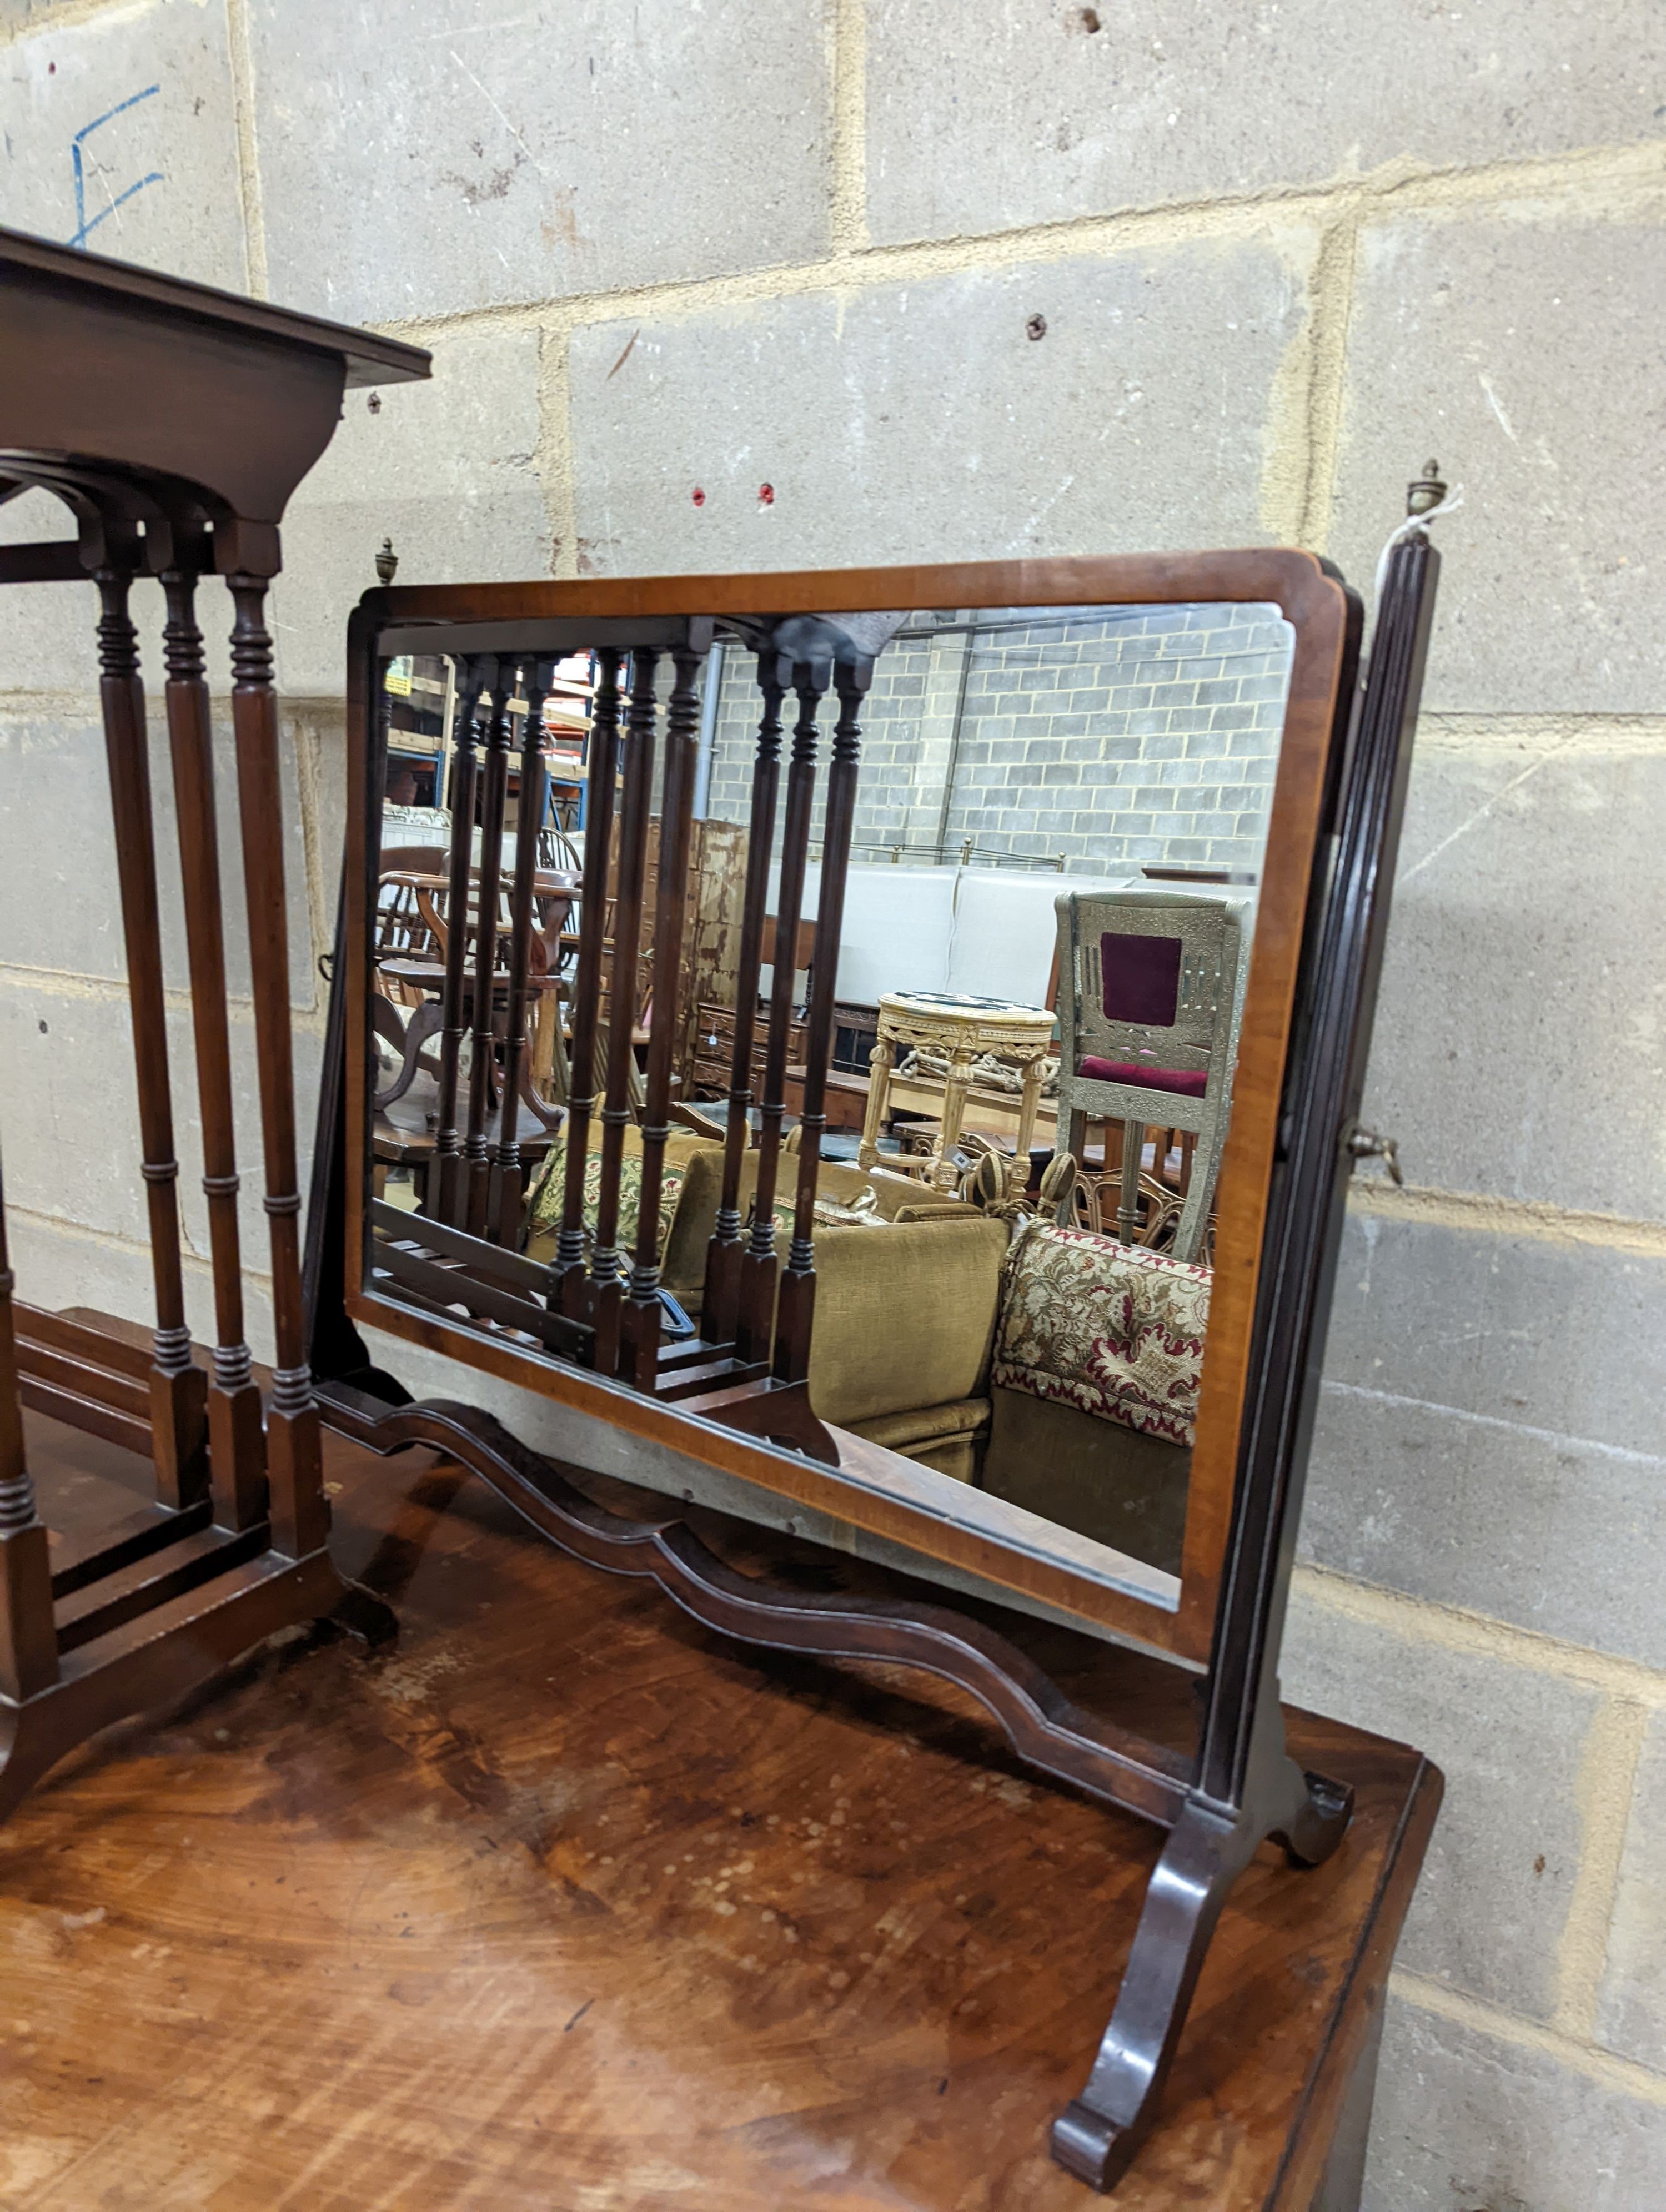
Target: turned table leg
x=941, y=1171
x=878, y=1086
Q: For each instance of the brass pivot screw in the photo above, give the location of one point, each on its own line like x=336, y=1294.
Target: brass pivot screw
x=1367, y=1145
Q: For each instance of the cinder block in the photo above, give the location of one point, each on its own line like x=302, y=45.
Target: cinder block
x=1521, y=350
x=60, y=907
x=919, y=421
x=469, y=159
x=446, y=469
x=1478, y=1319
x=1497, y=1885
x=1630, y=2011
x=984, y=119
x=1465, y=2119
x=69, y=1109
x=117, y=133
x=48, y=632
x=1555, y=1534
x=1463, y=1456
x=1520, y=1048
x=58, y=1266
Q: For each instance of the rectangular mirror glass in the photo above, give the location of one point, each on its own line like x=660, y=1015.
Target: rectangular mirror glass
x=827, y=1030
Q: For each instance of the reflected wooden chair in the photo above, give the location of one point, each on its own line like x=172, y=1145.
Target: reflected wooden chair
x=1150, y=993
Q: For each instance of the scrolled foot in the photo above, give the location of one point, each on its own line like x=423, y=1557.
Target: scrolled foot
x=1087, y=2144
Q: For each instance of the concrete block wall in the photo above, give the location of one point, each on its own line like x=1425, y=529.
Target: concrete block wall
x=1109, y=738
x=1283, y=256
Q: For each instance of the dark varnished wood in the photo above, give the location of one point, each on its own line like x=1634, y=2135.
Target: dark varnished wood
x=504, y=1198
x=445, y=1197
x=639, y=1318
x=299, y=1516
x=1112, y=1762
x=237, y=1453
x=479, y=1920
x=721, y=1307
x=759, y=1268
x=605, y=1288
x=1244, y=1790
x=569, y=1263
x=172, y=422
x=476, y=1174
x=798, y=1285
x=178, y=1411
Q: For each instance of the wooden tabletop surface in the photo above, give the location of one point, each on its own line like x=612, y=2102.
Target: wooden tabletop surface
x=563, y=1904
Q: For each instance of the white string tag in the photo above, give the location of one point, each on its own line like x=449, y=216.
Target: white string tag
x=1450, y=505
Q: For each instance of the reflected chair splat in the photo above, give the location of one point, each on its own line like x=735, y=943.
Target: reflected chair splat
x=1151, y=996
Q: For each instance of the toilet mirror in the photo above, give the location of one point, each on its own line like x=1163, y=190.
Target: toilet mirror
x=834, y=1025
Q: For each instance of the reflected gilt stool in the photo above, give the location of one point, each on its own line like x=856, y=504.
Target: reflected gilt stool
x=963, y=1029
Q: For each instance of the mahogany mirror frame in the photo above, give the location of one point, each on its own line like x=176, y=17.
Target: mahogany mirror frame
x=878, y=1490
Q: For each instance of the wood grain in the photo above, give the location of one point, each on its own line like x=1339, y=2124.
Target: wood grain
x=564, y=1903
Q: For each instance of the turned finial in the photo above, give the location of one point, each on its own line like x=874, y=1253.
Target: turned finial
x=1426, y=491
x=386, y=562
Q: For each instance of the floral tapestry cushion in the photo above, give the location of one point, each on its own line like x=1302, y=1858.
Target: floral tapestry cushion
x=545, y=1199
x=1113, y=1329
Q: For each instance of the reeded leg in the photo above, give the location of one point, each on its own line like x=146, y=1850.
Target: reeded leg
x=941, y=1171
x=1018, y=1175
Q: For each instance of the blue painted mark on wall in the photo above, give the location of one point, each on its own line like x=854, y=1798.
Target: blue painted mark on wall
x=83, y=227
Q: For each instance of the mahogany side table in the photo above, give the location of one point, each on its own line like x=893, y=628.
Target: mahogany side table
x=173, y=422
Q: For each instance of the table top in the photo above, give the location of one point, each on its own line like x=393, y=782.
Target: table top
x=547, y=882
x=954, y=1009
x=370, y=358
x=567, y=1900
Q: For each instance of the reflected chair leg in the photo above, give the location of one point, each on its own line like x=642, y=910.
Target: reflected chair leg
x=1128, y=1189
